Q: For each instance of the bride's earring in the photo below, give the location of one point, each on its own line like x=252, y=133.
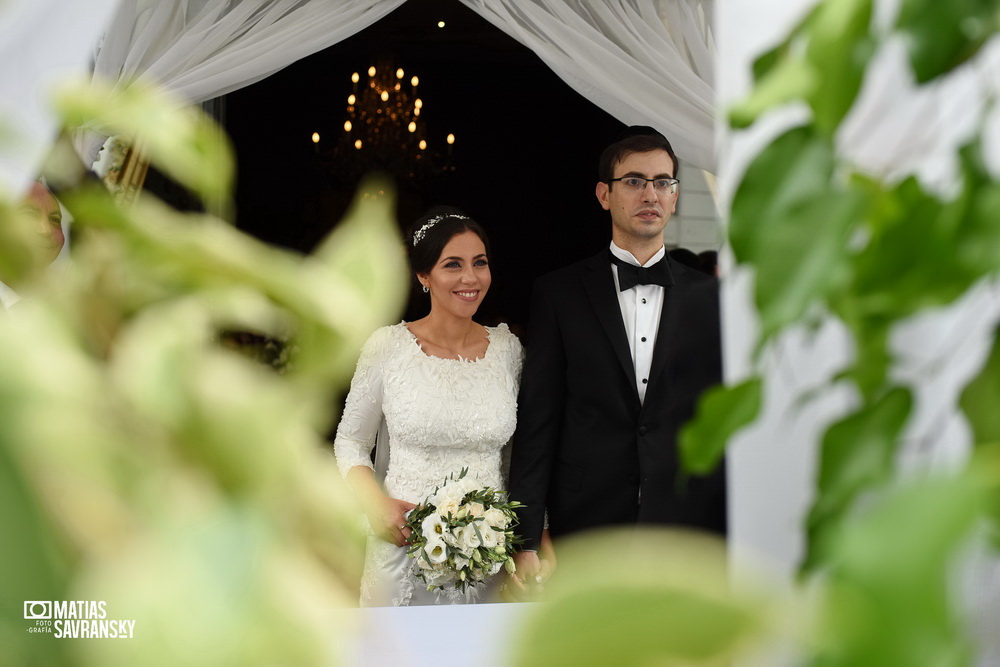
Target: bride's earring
x=426, y=289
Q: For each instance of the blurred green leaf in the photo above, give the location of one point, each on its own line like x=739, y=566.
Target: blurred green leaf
x=838, y=49
x=909, y=227
x=22, y=259
x=145, y=463
x=890, y=599
x=856, y=456
x=356, y=283
x=943, y=35
x=178, y=138
x=639, y=597
x=981, y=398
x=32, y=567
x=722, y=411
x=792, y=223
x=787, y=80
x=977, y=234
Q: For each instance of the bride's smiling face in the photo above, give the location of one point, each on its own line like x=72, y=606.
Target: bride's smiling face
x=461, y=276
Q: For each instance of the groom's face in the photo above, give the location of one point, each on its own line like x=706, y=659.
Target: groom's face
x=638, y=215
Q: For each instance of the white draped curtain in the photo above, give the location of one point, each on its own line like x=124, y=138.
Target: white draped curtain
x=646, y=62
x=200, y=49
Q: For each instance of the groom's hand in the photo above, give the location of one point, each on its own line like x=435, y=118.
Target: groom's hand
x=525, y=582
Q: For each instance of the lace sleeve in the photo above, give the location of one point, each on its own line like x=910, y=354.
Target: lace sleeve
x=363, y=409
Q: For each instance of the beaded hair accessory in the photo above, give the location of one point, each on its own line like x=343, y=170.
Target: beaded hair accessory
x=419, y=235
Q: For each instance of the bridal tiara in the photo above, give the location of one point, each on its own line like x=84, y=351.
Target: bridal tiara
x=418, y=235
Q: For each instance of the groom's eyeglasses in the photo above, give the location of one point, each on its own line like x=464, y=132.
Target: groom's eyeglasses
x=663, y=186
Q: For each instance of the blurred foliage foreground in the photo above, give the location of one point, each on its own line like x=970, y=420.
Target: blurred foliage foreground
x=145, y=463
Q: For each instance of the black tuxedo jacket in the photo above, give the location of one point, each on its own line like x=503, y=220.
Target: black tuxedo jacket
x=586, y=450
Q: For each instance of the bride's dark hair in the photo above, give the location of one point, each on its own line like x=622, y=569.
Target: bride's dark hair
x=428, y=236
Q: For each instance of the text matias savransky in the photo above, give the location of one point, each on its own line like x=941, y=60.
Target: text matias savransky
x=77, y=619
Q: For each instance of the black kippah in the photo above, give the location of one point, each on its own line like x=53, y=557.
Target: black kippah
x=639, y=130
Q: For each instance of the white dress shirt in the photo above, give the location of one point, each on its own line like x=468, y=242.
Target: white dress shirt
x=641, y=307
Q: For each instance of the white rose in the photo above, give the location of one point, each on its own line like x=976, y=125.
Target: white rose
x=495, y=518
x=450, y=537
x=446, y=506
x=476, y=509
x=490, y=536
x=460, y=561
x=467, y=538
x=436, y=550
x=452, y=492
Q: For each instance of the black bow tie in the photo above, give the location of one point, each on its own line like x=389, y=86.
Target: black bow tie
x=630, y=275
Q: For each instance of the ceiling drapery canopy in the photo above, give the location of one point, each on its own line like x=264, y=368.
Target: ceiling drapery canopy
x=646, y=62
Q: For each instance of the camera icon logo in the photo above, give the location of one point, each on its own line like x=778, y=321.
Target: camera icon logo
x=37, y=609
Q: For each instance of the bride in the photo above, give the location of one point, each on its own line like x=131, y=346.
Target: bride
x=444, y=390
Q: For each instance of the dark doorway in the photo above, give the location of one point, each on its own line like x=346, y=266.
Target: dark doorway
x=525, y=155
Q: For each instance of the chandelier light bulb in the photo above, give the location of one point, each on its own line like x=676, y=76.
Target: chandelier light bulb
x=422, y=144
x=416, y=112
x=355, y=78
x=385, y=95
x=400, y=73
x=450, y=139
x=351, y=99
x=412, y=127
x=347, y=126
x=440, y=24
x=357, y=144
x=415, y=81
x=418, y=103
x=371, y=71
x=315, y=137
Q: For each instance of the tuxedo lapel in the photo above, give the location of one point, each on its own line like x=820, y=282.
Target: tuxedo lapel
x=600, y=289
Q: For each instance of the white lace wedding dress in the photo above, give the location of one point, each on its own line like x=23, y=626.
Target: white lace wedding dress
x=442, y=415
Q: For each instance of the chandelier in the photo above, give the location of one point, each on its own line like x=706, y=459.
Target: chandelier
x=384, y=129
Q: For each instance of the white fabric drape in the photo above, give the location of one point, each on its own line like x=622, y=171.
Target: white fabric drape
x=646, y=62
x=38, y=53
x=201, y=49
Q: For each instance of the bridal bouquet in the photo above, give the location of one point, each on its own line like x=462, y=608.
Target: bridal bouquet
x=462, y=534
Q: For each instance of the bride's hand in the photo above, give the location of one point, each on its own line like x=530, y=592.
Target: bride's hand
x=386, y=515
x=391, y=522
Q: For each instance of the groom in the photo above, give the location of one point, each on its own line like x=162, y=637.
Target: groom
x=620, y=347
